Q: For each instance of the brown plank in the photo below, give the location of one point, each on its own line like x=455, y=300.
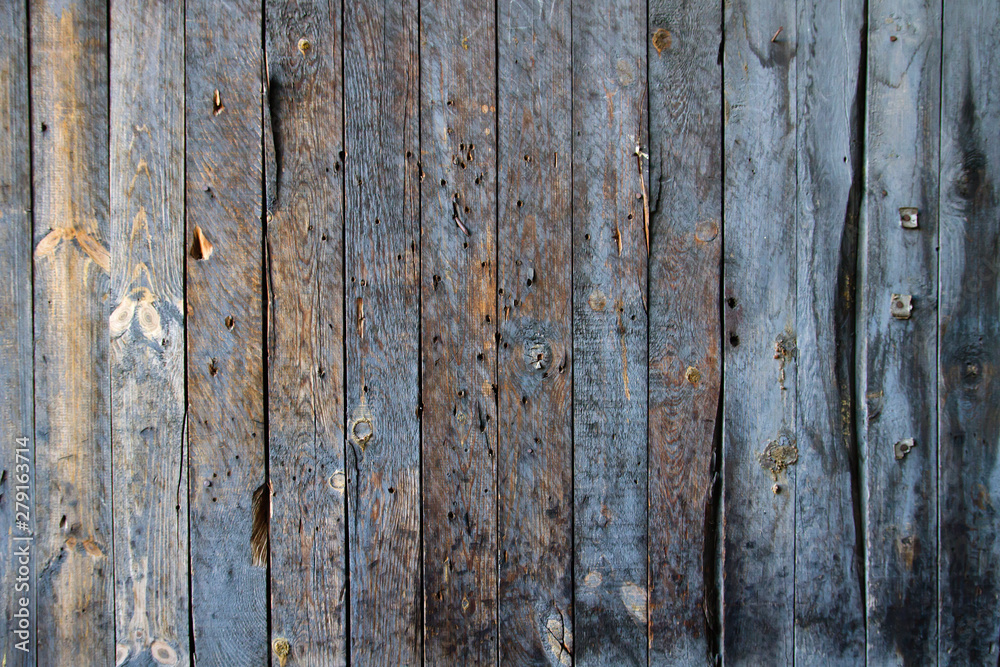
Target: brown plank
x=147, y=333
x=759, y=440
x=685, y=181
x=382, y=261
x=69, y=101
x=226, y=435
x=459, y=330
x=535, y=462
x=17, y=507
x=899, y=357
x=969, y=427
x=306, y=332
x=609, y=332
x=829, y=583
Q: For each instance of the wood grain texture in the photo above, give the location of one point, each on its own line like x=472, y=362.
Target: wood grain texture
x=69, y=99
x=535, y=461
x=609, y=333
x=224, y=358
x=147, y=331
x=306, y=330
x=17, y=643
x=829, y=594
x=382, y=261
x=685, y=182
x=459, y=330
x=969, y=426
x=759, y=440
x=900, y=356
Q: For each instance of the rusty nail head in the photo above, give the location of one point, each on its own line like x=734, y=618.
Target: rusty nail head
x=908, y=217
x=901, y=306
x=902, y=448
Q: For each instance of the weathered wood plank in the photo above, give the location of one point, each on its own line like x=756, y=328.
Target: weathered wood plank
x=535, y=461
x=69, y=99
x=305, y=277
x=147, y=332
x=759, y=444
x=224, y=325
x=609, y=332
x=969, y=426
x=382, y=186
x=17, y=645
x=685, y=181
x=900, y=356
x=459, y=330
x=829, y=595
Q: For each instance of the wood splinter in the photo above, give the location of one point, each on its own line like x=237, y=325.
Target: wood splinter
x=260, y=508
x=361, y=318
x=458, y=220
x=645, y=198
x=217, y=105
x=201, y=248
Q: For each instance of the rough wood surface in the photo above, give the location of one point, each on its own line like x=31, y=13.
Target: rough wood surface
x=685, y=190
x=147, y=332
x=969, y=428
x=829, y=595
x=900, y=356
x=69, y=101
x=226, y=425
x=609, y=332
x=382, y=263
x=535, y=461
x=459, y=330
x=759, y=440
x=17, y=643
x=305, y=274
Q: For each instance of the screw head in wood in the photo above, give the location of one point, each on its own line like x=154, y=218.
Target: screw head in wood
x=903, y=447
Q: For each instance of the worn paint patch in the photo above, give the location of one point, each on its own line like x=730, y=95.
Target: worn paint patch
x=634, y=599
x=559, y=639
x=779, y=454
x=597, y=300
x=908, y=548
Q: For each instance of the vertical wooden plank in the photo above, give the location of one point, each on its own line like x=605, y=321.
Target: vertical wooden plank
x=535, y=464
x=969, y=490
x=305, y=331
x=382, y=186
x=69, y=99
x=900, y=356
x=759, y=444
x=147, y=332
x=17, y=645
x=459, y=330
x=685, y=180
x=224, y=321
x=609, y=332
x=829, y=595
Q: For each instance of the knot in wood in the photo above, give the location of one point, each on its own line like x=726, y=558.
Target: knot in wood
x=538, y=355
x=163, y=653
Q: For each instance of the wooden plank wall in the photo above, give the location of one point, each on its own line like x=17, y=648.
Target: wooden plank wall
x=17, y=518
x=438, y=332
